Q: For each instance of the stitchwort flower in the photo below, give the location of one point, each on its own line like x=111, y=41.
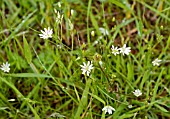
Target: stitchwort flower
x=137, y=93
x=125, y=50
x=104, y=31
x=5, y=67
x=156, y=62
x=115, y=50
x=86, y=68
x=47, y=33
x=108, y=109
x=130, y=106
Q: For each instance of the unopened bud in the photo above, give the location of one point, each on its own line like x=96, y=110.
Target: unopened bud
x=92, y=33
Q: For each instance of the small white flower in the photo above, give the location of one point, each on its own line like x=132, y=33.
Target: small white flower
x=57, y=115
x=108, y=109
x=59, y=46
x=129, y=106
x=47, y=33
x=100, y=37
x=137, y=93
x=96, y=42
x=115, y=50
x=86, y=68
x=156, y=62
x=104, y=31
x=125, y=50
x=5, y=67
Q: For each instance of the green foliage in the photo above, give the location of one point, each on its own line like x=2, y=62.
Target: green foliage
x=45, y=78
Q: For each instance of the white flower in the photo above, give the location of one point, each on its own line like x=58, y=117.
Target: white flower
x=96, y=42
x=115, y=50
x=59, y=46
x=86, y=68
x=104, y=31
x=47, y=33
x=5, y=67
x=137, y=93
x=129, y=106
x=125, y=50
x=156, y=62
x=108, y=109
x=57, y=115
x=100, y=37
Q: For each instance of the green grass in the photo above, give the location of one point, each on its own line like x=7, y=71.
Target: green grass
x=45, y=76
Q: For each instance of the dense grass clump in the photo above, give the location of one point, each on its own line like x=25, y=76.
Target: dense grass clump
x=77, y=59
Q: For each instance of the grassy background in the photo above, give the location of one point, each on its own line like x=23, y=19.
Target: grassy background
x=45, y=79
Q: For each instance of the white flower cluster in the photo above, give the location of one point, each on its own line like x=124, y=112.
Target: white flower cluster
x=124, y=50
x=47, y=33
x=108, y=109
x=156, y=62
x=104, y=31
x=137, y=93
x=5, y=67
x=86, y=68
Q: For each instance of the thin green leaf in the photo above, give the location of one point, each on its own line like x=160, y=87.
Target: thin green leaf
x=27, y=51
x=119, y=4
x=20, y=94
x=155, y=10
x=161, y=108
x=83, y=101
x=29, y=75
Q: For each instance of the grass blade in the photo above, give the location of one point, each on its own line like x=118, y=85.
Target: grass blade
x=20, y=94
x=83, y=101
x=27, y=51
x=29, y=75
